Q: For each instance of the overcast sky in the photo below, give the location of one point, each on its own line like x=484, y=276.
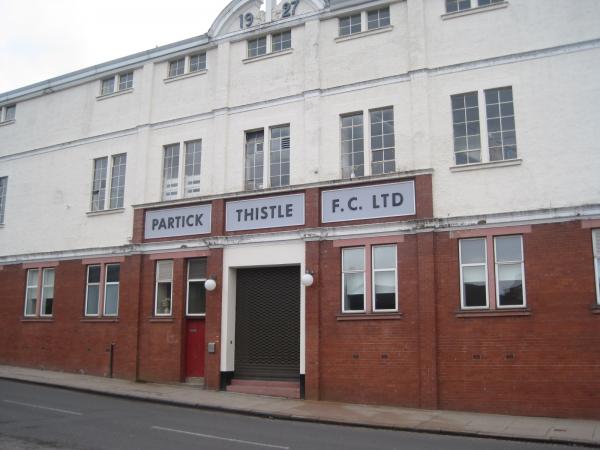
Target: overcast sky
x=41, y=39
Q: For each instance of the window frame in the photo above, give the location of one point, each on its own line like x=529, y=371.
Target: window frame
x=109, y=176
x=470, y=7
x=379, y=11
x=256, y=40
x=283, y=41
x=42, y=295
x=364, y=272
x=373, y=284
x=596, y=255
x=201, y=58
x=193, y=280
x=87, y=291
x=352, y=174
x=350, y=17
x=486, y=274
x=485, y=156
x=383, y=148
x=112, y=283
x=181, y=190
x=157, y=281
x=269, y=158
x=37, y=292
x=3, y=197
x=496, y=267
x=4, y=112
x=116, y=83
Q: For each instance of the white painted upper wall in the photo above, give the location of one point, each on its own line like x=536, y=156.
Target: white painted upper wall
x=48, y=152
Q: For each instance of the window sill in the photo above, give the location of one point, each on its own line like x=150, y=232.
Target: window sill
x=7, y=122
x=370, y=316
x=115, y=94
x=487, y=165
x=493, y=313
x=185, y=75
x=267, y=56
x=476, y=10
x=352, y=36
x=105, y=212
x=161, y=319
x=37, y=319
x=100, y=319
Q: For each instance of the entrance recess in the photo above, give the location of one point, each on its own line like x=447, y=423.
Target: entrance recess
x=267, y=324
x=195, y=349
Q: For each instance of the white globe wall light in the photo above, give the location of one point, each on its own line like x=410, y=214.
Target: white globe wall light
x=307, y=280
x=210, y=285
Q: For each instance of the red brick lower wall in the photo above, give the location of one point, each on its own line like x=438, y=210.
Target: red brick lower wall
x=546, y=363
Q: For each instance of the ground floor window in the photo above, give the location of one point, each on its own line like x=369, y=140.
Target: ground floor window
x=507, y=278
x=596, y=243
x=373, y=266
x=102, y=290
x=196, y=293
x=164, y=288
x=40, y=285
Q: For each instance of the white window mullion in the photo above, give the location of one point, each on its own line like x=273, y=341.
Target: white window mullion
x=483, y=126
x=596, y=243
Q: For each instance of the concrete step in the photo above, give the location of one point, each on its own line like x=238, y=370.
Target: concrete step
x=286, y=389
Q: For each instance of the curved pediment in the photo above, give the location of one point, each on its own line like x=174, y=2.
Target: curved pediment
x=242, y=15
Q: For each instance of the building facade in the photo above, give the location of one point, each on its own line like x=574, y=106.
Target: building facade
x=361, y=201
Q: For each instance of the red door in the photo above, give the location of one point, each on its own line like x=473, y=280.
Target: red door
x=195, y=348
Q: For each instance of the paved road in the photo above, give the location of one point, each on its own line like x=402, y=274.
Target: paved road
x=43, y=418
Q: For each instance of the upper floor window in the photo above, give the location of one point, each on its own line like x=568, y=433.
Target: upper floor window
x=500, y=126
x=255, y=142
x=122, y=82
x=102, y=290
x=381, y=276
x=596, y=243
x=40, y=284
x=461, y=5
x=382, y=158
x=350, y=24
x=3, y=189
x=257, y=47
x=508, y=276
x=187, y=64
x=100, y=184
x=280, y=156
x=8, y=113
x=378, y=18
x=276, y=42
x=190, y=166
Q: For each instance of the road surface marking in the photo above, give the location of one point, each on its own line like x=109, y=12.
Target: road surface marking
x=64, y=411
x=208, y=436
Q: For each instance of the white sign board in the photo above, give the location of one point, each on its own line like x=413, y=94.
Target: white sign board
x=268, y=212
x=177, y=222
x=369, y=202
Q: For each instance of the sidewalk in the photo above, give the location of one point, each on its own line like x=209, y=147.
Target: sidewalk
x=586, y=432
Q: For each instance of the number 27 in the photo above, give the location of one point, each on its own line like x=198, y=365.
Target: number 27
x=289, y=8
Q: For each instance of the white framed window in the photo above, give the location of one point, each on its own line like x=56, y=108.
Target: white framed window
x=111, y=289
x=197, y=62
x=92, y=290
x=182, y=170
x=353, y=280
x=279, y=154
x=176, y=67
x=163, y=303
x=461, y=5
x=39, y=292
x=468, y=127
x=510, y=272
x=350, y=24
x=257, y=47
x=32, y=293
x=100, y=182
x=116, y=83
x=8, y=113
x=384, y=278
x=3, y=189
x=196, y=293
x=378, y=18
x=352, y=139
x=383, y=143
x=171, y=172
x=596, y=244
x=254, y=160
x=473, y=273
x=102, y=290
x=281, y=41
x=506, y=280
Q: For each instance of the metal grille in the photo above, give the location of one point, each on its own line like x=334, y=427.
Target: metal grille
x=268, y=323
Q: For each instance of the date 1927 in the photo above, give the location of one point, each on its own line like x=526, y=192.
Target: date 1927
x=288, y=9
